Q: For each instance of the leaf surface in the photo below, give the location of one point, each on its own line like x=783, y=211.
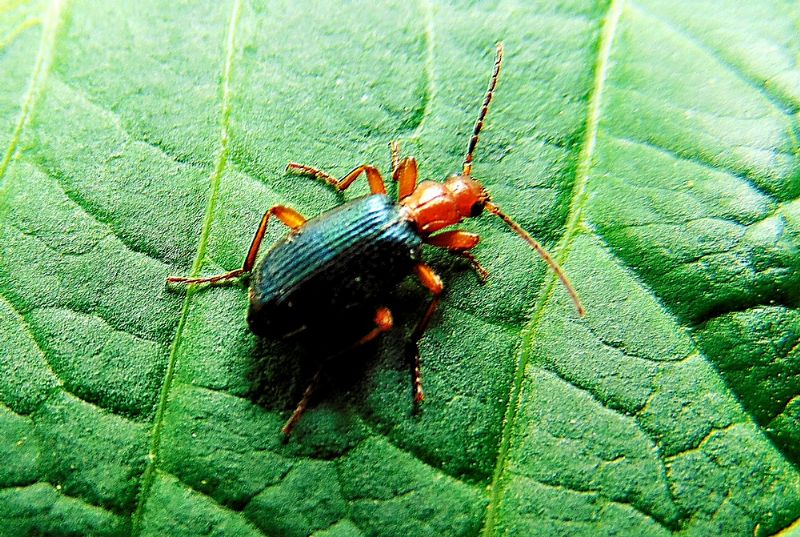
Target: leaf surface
x=652, y=146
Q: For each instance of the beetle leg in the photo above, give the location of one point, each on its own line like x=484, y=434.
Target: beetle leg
x=433, y=283
x=406, y=176
x=374, y=177
x=394, y=148
x=404, y=172
x=288, y=216
x=458, y=242
x=483, y=274
x=383, y=323
x=315, y=172
x=376, y=185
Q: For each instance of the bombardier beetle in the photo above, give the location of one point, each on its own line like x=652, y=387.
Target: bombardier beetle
x=341, y=266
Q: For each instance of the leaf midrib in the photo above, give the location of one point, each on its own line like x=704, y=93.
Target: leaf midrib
x=607, y=34
x=149, y=475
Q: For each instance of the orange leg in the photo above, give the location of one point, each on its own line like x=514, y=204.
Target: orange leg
x=431, y=281
x=406, y=177
x=383, y=323
x=289, y=217
x=458, y=242
x=405, y=172
x=374, y=177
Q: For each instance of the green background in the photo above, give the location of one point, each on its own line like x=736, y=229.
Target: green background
x=652, y=145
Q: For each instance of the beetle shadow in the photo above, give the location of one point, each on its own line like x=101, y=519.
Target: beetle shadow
x=276, y=369
x=281, y=369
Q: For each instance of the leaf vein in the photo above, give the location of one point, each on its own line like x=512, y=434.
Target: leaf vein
x=372, y=431
x=18, y=31
x=95, y=214
x=88, y=312
x=600, y=494
x=210, y=498
x=780, y=104
x=714, y=431
x=699, y=160
x=60, y=383
x=58, y=490
x=23, y=323
x=435, y=469
x=430, y=70
x=116, y=119
x=149, y=475
x=41, y=69
x=607, y=35
x=635, y=419
x=789, y=530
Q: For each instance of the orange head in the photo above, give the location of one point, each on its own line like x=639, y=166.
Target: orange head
x=433, y=206
x=468, y=194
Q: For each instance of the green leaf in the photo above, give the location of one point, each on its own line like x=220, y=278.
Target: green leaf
x=651, y=145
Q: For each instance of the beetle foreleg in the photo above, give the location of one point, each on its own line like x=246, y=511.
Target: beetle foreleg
x=483, y=274
x=287, y=215
x=433, y=283
x=458, y=242
x=383, y=323
x=376, y=185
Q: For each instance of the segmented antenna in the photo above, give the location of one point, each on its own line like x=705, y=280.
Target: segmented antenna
x=476, y=131
x=495, y=210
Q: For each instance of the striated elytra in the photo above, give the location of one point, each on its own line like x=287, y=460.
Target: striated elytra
x=337, y=267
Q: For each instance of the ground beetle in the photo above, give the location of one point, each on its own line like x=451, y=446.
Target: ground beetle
x=343, y=265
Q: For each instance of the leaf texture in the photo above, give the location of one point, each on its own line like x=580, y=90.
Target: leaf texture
x=653, y=146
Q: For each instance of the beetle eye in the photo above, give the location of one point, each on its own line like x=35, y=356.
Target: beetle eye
x=477, y=208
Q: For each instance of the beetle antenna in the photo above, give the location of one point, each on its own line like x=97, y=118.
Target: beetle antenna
x=495, y=210
x=484, y=110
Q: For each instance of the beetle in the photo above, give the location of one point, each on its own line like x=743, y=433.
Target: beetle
x=342, y=265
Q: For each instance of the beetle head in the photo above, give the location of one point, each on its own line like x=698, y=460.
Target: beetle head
x=468, y=194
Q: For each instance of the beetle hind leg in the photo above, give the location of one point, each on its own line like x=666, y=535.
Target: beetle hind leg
x=314, y=172
x=431, y=281
x=232, y=275
x=383, y=322
x=287, y=215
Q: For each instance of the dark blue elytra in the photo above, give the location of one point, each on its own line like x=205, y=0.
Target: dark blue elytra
x=335, y=271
